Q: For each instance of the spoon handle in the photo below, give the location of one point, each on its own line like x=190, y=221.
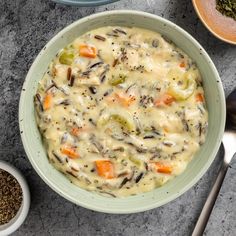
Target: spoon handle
x=209, y=204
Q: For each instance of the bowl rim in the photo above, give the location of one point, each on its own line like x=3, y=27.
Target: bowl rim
x=148, y=206
x=19, y=218
x=85, y=4
x=208, y=27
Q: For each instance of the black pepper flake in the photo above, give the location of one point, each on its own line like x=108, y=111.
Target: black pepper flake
x=92, y=121
x=10, y=197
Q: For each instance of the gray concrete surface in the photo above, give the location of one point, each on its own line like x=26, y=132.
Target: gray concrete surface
x=25, y=27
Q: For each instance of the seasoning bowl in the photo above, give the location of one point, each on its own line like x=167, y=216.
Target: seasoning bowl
x=214, y=95
x=18, y=219
x=221, y=26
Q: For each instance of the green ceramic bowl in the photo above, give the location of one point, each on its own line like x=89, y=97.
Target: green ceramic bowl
x=195, y=170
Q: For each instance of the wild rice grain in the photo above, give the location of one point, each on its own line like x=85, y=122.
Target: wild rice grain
x=99, y=37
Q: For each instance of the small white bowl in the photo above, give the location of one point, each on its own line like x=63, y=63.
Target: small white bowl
x=19, y=218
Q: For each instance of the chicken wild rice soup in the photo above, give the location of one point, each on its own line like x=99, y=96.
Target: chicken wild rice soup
x=121, y=111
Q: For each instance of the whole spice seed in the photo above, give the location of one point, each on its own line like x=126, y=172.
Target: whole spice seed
x=227, y=7
x=10, y=197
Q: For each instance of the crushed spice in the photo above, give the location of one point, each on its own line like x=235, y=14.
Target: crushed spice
x=10, y=197
x=227, y=8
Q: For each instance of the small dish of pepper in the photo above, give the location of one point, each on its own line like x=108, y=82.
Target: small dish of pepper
x=14, y=199
x=219, y=17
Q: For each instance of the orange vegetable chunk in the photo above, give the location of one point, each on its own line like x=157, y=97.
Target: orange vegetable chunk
x=166, y=99
x=199, y=97
x=105, y=169
x=124, y=100
x=163, y=168
x=75, y=131
x=47, y=103
x=70, y=152
x=182, y=64
x=87, y=51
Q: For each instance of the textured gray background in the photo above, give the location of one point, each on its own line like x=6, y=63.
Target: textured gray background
x=25, y=27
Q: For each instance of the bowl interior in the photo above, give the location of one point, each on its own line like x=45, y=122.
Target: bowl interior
x=214, y=97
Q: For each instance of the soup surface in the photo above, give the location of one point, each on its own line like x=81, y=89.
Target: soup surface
x=121, y=111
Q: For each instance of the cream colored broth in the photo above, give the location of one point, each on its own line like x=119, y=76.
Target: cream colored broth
x=121, y=111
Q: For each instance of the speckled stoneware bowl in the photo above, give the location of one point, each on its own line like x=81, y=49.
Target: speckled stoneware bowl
x=215, y=102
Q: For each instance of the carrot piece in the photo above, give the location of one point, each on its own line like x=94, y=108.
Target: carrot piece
x=165, y=128
x=87, y=51
x=166, y=99
x=47, y=103
x=199, y=97
x=70, y=152
x=124, y=100
x=163, y=168
x=105, y=169
x=182, y=64
x=75, y=131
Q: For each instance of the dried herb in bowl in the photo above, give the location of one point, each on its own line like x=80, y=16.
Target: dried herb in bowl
x=10, y=197
x=227, y=7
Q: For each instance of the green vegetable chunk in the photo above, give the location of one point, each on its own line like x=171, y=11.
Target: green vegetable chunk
x=125, y=123
x=66, y=57
x=117, y=80
x=136, y=161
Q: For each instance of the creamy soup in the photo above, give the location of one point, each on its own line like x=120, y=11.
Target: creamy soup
x=121, y=111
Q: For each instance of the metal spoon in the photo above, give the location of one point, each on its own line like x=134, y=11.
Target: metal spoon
x=229, y=144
